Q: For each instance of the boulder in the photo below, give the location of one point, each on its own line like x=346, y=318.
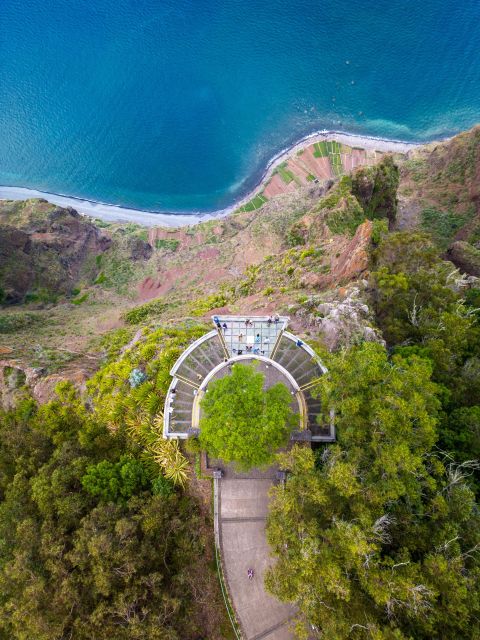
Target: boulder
x=341, y=322
x=139, y=249
x=465, y=256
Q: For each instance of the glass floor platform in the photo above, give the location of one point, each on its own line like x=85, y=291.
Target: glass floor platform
x=256, y=335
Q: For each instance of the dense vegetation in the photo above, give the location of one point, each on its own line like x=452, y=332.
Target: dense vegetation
x=97, y=537
x=92, y=544
x=244, y=423
x=426, y=308
x=378, y=536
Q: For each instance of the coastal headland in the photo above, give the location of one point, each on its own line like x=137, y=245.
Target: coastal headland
x=319, y=156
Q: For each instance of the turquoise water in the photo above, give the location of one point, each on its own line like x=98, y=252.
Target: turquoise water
x=178, y=105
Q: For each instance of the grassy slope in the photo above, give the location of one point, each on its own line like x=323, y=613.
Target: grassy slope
x=265, y=257
x=230, y=246
x=439, y=189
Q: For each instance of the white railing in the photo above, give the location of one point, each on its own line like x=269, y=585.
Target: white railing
x=306, y=348
x=250, y=356
x=191, y=348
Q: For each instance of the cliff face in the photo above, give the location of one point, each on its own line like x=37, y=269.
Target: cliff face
x=45, y=250
x=440, y=189
x=297, y=253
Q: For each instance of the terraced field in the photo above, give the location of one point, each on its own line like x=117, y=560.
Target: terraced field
x=324, y=160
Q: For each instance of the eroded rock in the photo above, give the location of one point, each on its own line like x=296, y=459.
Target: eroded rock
x=45, y=248
x=353, y=260
x=341, y=321
x=465, y=256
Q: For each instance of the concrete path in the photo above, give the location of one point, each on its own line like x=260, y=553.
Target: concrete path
x=242, y=505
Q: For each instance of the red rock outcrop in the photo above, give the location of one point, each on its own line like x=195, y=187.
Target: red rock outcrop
x=353, y=260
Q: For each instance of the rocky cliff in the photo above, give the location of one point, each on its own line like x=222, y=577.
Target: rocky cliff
x=306, y=254
x=45, y=250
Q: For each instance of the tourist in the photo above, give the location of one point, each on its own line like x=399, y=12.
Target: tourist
x=257, y=338
x=224, y=326
x=276, y=319
x=299, y=343
x=267, y=340
x=269, y=321
x=240, y=337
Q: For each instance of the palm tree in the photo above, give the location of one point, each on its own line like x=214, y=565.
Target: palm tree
x=177, y=472
x=174, y=464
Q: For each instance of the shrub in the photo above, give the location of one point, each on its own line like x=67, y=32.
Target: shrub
x=80, y=299
x=12, y=322
x=161, y=486
x=114, y=482
x=442, y=225
x=379, y=230
x=167, y=243
x=295, y=236
x=192, y=445
x=144, y=311
x=201, y=306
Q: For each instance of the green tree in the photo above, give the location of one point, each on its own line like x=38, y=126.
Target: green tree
x=424, y=309
x=93, y=543
x=116, y=481
x=461, y=433
x=377, y=536
x=243, y=423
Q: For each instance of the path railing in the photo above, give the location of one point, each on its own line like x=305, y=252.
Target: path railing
x=226, y=599
x=221, y=577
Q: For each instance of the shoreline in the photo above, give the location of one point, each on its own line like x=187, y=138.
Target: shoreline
x=117, y=213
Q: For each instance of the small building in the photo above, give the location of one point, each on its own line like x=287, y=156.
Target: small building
x=281, y=356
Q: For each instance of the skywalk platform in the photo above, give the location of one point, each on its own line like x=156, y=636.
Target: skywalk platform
x=241, y=338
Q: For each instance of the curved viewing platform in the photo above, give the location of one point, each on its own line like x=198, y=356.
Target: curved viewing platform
x=280, y=356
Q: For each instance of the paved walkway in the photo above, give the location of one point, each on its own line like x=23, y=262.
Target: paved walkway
x=242, y=505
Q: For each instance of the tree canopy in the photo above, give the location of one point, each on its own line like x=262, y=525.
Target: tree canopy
x=378, y=535
x=424, y=307
x=244, y=423
x=95, y=540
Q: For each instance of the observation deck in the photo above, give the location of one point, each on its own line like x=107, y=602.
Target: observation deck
x=280, y=355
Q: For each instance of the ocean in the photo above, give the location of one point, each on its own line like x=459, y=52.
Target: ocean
x=178, y=105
